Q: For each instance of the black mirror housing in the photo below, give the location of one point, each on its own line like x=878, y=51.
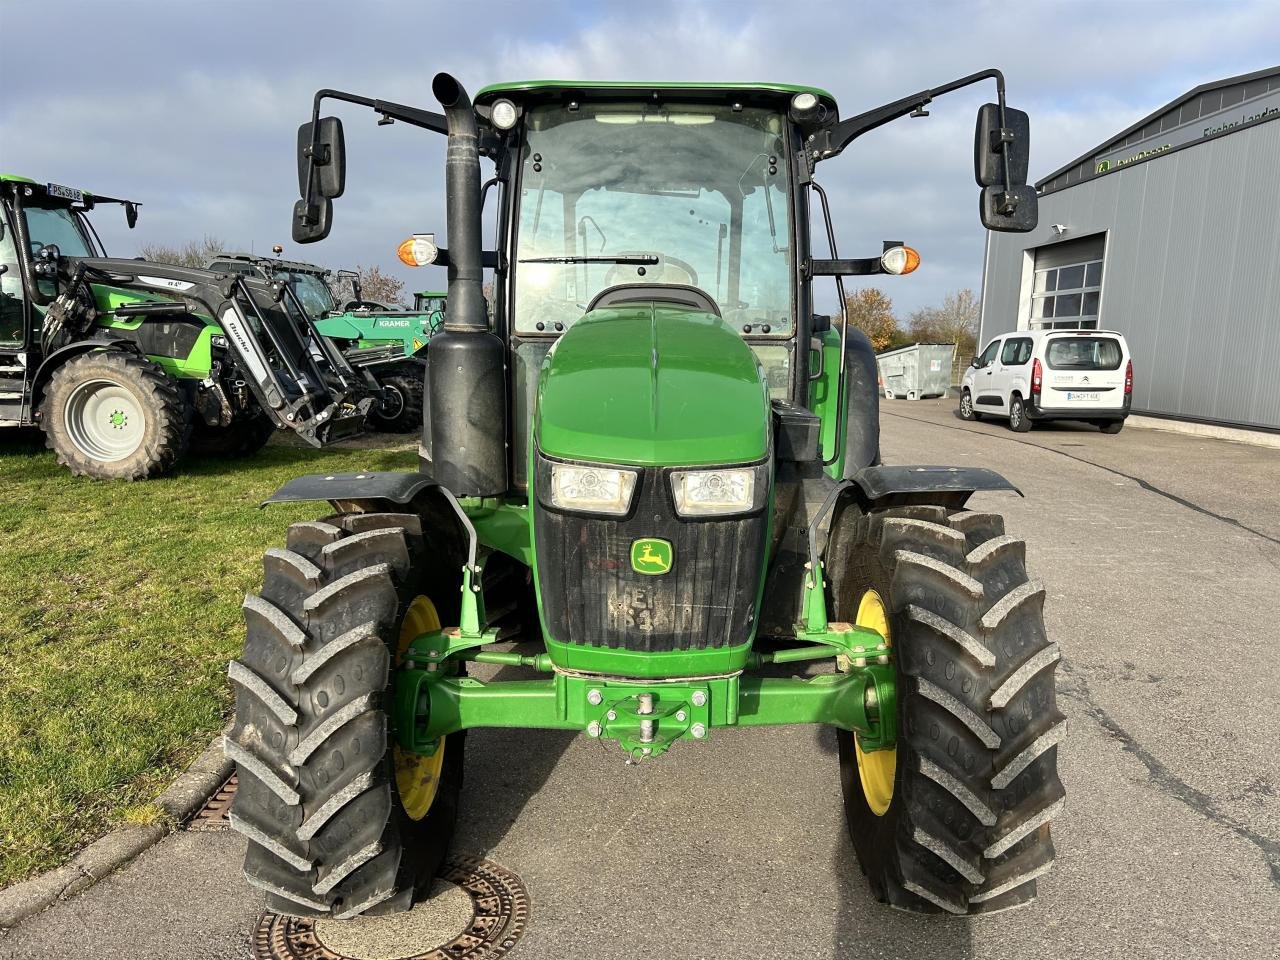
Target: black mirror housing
x=312, y=223
x=991, y=141
x=131, y=214
x=329, y=171
x=1016, y=210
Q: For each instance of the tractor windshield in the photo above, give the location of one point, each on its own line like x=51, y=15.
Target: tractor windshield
x=57, y=225
x=692, y=194
x=311, y=290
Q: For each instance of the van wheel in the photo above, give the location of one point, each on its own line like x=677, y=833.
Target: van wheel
x=966, y=406
x=1113, y=426
x=1018, y=420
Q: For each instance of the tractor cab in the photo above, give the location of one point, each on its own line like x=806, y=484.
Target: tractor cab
x=309, y=282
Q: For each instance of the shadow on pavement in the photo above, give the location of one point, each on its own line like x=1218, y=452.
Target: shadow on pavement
x=864, y=927
x=505, y=768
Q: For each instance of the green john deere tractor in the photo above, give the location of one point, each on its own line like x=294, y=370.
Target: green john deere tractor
x=658, y=469
x=380, y=339
x=125, y=364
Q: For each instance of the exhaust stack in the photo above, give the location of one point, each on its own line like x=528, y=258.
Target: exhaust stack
x=464, y=431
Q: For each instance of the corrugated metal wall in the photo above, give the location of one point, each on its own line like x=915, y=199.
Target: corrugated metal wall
x=1191, y=274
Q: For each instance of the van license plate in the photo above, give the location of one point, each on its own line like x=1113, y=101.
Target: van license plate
x=1083, y=394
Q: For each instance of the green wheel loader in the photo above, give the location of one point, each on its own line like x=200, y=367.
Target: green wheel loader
x=380, y=339
x=125, y=364
x=660, y=469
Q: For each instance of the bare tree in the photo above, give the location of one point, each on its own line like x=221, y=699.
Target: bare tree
x=193, y=253
x=870, y=311
x=374, y=285
x=956, y=321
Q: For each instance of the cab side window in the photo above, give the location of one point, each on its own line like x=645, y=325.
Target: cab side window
x=1017, y=351
x=989, y=354
x=12, y=314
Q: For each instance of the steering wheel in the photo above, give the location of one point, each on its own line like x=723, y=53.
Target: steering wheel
x=674, y=270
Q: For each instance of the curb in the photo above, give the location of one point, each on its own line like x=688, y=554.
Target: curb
x=1212, y=431
x=104, y=856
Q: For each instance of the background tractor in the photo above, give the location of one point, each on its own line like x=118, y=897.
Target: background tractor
x=380, y=339
x=124, y=364
x=657, y=467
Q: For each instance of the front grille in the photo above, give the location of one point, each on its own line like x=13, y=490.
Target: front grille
x=591, y=595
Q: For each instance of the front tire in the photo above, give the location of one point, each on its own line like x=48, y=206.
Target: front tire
x=114, y=415
x=965, y=826
x=242, y=438
x=320, y=796
x=966, y=406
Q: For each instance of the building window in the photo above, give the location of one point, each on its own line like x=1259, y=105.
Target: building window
x=1067, y=296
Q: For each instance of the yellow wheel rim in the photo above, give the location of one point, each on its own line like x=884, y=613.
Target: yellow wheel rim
x=877, y=767
x=418, y=775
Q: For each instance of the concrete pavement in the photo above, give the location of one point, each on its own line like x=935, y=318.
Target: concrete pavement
x=1161, y=555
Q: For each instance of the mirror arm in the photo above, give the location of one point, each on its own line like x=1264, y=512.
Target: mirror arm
x=831, y=141
x=860, y=267
x=390, y=112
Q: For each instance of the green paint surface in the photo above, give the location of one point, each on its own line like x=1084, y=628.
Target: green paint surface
x=651, y=384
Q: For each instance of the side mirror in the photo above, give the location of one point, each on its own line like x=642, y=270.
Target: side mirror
x=1006, y=205
x=322, y=142
x=312, y=222
x=131, y=214
x=1015, y=210
x=974, y=362
x=821, y=322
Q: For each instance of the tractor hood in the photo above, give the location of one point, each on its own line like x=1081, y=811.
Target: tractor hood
x=652, y=384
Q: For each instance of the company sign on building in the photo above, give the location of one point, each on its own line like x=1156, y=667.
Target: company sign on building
x=1204, y=125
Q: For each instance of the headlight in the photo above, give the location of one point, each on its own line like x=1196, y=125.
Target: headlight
x=592, y=489
x=706, y=493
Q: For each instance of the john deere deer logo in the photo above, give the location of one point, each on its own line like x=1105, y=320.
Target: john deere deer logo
x=651, y=556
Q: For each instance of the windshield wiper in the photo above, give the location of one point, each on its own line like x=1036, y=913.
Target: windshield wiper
x=641, y=258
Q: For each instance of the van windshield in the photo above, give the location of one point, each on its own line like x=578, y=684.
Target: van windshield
x=1083, y=353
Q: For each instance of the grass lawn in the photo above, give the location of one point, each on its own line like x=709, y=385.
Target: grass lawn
x=119, y=612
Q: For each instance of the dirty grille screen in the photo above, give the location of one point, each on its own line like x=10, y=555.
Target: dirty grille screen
x=591, y=594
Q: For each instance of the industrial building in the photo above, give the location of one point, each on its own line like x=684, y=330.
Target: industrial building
x=1169, y=232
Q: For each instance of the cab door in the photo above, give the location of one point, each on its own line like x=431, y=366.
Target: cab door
x=986, y=396
x=15, y=326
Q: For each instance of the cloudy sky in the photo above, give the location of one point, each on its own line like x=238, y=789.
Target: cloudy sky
x=193, y=107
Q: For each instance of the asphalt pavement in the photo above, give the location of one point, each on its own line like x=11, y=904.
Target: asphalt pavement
x=1161, y=557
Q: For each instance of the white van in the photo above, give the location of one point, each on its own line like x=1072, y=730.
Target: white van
x=1031, y=375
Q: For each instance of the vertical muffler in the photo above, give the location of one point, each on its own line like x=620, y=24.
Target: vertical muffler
x=464, y=431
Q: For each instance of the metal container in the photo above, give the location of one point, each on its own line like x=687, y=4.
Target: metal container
x=916, y=372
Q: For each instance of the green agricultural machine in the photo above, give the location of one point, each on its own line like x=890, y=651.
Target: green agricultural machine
x=650, y=484
x=377, y=338
x=125, y=364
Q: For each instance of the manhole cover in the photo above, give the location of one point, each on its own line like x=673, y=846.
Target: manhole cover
x=477, y=911
x=213, y=815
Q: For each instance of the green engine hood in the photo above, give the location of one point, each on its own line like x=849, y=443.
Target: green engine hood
x=652, y=384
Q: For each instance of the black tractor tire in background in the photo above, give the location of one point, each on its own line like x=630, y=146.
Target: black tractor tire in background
x=1112, y=426
x=976, y=782
x=115, y=415
x=317, y=796
x=1019, y=422
x=403, y=412
x=243, y=437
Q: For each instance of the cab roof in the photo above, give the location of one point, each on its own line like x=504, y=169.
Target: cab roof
x=274, y=263
x=779, y=93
